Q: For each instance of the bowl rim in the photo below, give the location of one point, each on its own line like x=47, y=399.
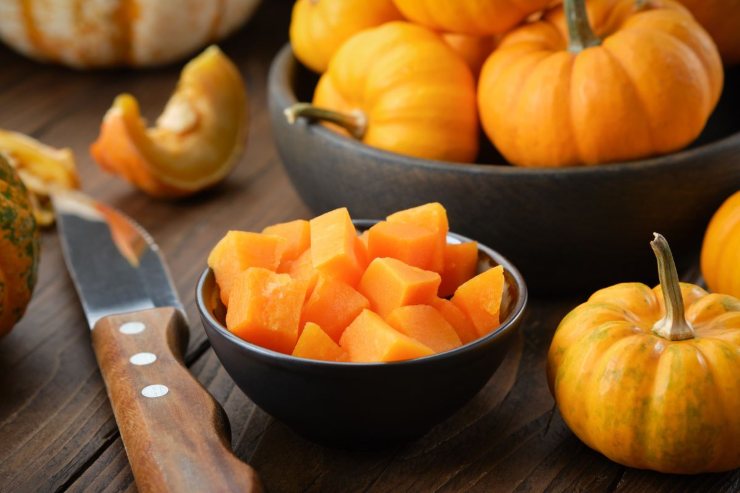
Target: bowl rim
x=510, y=323
x=280, y=86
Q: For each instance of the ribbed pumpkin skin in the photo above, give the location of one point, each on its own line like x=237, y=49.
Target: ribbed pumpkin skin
x=720, y=253
x=417, y=94
x=105, y=33
x=319, y=27
x=19, y=248
x=642, y=400
x=721, y=19
x=648, y=89
x=472, y=17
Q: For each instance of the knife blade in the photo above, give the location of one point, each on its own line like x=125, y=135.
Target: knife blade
x=175, y=434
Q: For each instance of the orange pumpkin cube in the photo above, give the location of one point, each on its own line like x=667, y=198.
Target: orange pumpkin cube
x=297, y=235
x=461, y=264
x=409, y=243
x=265, y=308
x=480, y=299
x=426, y=325
x=430, y=216
x=334, y=246
x=302, y=269
x=239, y=250
x=457, y=319
x=314, y=343
x=370, y=339
x=333, y=305
x=389, y=283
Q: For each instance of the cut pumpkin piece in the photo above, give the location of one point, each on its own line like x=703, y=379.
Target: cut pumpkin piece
x=457, y=319
x=314, y=343
x=335, y=248
x=297, y=234
x=480, y=299
x=302, y=269
x=389, y=283
x=461, y=264
x=42, y=169
x=265, y=309
x=409, y=243
x=369, y=339
x=431, y=216
x=333, y=305
x=197, y=140
x=239, y=250
x=426, y=325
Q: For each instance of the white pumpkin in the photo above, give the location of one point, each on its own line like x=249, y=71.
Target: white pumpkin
x=105, y=33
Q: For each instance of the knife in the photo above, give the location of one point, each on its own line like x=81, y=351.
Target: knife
x=175, y=434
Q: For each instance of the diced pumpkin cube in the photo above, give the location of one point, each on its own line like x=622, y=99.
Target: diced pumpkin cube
x=480, y=299
x=389, y=283
x=457, y=319
x=297, y=235
x=314, y=343
x=409, y=243
x=239, y=250
x=333, y=305
x=302, y=269
x=334, y=246
x=426, y=325
x=370, y=339
x=461, y=264
x=431, y=216
x=265, y=308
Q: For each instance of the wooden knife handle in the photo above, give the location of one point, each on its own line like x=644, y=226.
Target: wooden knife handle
x=176, y=435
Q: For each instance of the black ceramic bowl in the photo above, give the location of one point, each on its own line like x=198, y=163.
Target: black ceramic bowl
x=369, y=404
x=567, y=229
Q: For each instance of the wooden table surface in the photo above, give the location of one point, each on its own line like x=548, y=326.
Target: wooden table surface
x=57, y=431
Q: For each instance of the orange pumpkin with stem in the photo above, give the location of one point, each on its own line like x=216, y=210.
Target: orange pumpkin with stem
x=651, y=378
x=473, y=17
x=197, y=140
x=644, y=82
x=370, y=93
x=721, y=19
x=720, y=253
x=319, y=27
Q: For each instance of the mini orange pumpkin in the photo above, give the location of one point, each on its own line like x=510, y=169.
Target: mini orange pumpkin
x=473, y=17
x=427, y=112
x=197, y=140
x=319, y=27
x=645, y=85
x=720, y=253
x=721, y=19
x=651, y=378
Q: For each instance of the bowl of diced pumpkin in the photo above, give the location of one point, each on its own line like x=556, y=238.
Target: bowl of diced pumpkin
x=356, y=333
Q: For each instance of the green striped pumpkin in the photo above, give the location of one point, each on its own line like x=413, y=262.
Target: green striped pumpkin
x=19, y=248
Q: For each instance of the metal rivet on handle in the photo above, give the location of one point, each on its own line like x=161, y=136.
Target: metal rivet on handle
x=141, y=359
x=154, y=391
x=131, y=328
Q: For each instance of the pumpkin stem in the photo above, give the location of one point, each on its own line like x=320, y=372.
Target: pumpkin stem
x=355, y=123
x=580, y=34
x=673, y=326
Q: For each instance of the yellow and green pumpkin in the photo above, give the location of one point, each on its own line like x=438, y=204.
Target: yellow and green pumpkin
x=19, y=248
x=651, y=377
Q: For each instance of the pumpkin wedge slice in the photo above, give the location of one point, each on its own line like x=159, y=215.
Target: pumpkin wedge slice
x=41, y=168
x=196, y=141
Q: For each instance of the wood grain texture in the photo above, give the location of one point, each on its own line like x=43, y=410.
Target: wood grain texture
x=175, y=434
x=57, y=430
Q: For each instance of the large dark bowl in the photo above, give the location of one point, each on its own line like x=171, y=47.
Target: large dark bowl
x=567, y=229
x=364, y=405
